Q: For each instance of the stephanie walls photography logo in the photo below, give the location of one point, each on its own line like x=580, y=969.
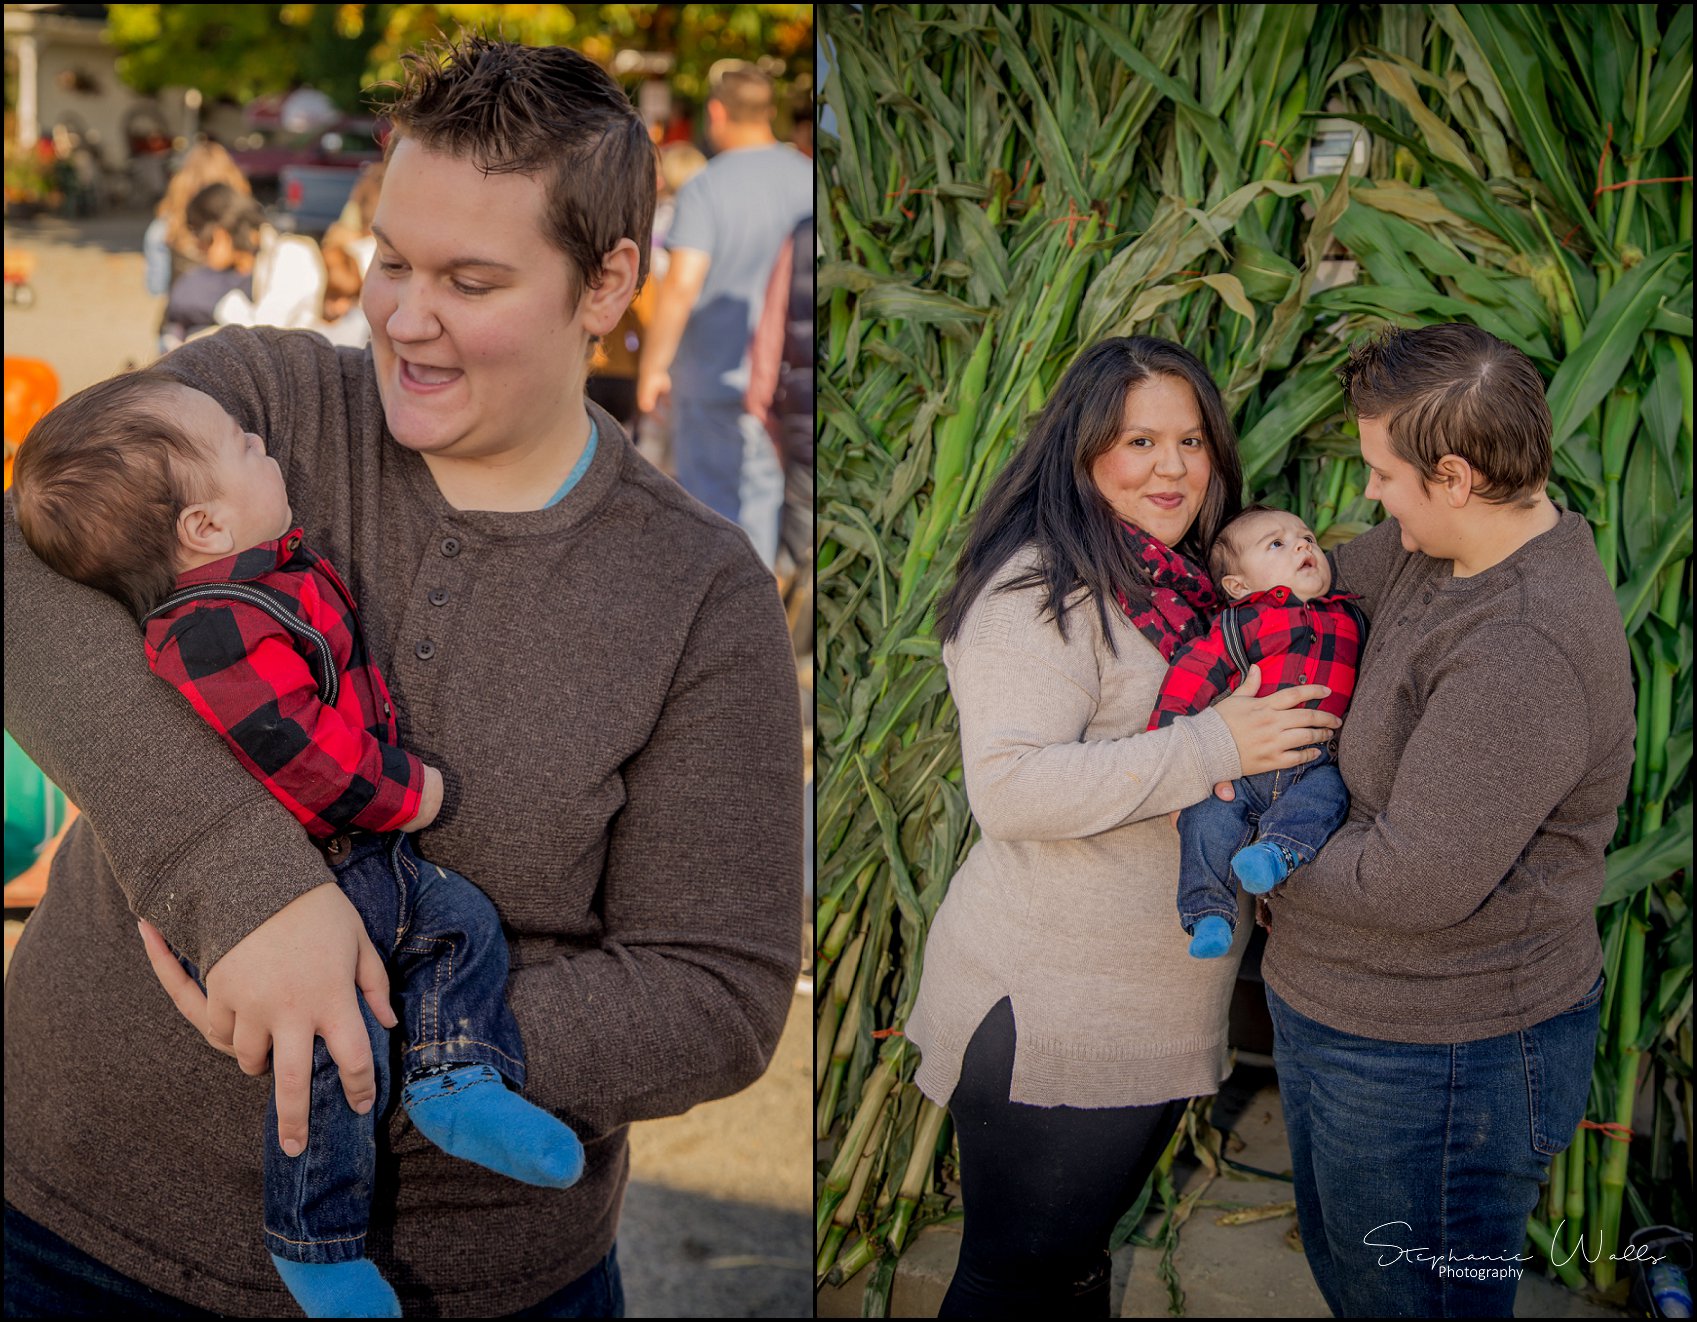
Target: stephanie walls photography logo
x=1482, y=1266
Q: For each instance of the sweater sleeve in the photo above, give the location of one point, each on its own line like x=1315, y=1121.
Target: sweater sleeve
x=1474, y=784
x=197, y=846
x=1365, y=565
x=1199, y=672
x=1032, y=775
x=686, y=994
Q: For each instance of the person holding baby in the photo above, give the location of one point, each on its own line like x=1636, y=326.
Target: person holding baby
x=595, y=663
x=1060, y=1014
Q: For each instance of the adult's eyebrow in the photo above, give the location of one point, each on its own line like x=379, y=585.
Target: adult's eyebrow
x=1147, y=430
x=457, y=262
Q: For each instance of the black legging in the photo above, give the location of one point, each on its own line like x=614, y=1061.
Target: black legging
x=1041, y=1188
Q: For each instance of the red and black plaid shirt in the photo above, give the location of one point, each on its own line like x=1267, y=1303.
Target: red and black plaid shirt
x=1293, y=641
x=306, y=712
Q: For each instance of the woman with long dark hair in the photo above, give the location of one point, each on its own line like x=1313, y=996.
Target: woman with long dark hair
x=1059, y=1014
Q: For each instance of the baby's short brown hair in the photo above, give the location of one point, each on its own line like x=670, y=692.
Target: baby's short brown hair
x=1223, y=554
x=99, y=483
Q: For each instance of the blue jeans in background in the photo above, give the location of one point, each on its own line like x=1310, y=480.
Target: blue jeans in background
x=1298, y=808
x=726, y=459
x=47, y=1276
x=441, y=940
x=1416, y=1166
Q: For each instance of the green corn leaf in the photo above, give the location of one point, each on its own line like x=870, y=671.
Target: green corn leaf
x=1591, y=370
x=1444, y=141
x=1648, y=861
x=907, y=303
x=1519, y=72
x=1308, y=394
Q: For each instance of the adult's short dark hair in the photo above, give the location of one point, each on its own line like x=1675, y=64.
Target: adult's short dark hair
x=99, y=483
x=744, y=91
x=1046, y=495
x=218, y=206
x=1455, y=389
x=545, y=111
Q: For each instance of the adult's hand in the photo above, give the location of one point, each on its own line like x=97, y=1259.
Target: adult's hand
x=1277, y=731
x=290, y=980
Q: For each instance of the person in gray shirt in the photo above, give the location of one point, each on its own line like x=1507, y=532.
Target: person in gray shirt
x=731, y=220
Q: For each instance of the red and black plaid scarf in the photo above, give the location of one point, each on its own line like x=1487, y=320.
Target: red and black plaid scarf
x=1181, y=601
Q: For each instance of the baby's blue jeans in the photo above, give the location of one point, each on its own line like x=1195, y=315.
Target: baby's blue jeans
x=441, y=940
x=1298, y=808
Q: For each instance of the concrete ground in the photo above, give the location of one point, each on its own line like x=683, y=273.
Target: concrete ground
x=716, y=1218
x=1249, y=1270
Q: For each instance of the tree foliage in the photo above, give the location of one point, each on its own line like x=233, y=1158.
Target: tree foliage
x=241, y=52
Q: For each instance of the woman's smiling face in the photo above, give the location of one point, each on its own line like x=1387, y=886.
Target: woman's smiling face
x=1155, y=473
x=474, y=335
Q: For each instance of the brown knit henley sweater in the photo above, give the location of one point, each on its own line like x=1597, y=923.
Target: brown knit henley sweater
x=608, y=687
x=1487, y=752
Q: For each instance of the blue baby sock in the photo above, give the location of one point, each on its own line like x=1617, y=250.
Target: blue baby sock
x=1211, y=937
x=468, y=1111
x=1262, y=866
x=339, y=1289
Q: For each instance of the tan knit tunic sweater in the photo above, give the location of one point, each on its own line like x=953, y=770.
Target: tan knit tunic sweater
x=610, y=693
x=1067, y=905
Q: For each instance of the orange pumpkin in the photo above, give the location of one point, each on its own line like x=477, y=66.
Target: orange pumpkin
x=32, y=387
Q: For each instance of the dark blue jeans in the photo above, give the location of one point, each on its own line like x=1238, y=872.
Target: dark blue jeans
x=1298, y=808
x=441, y=939
x=1416, y=1166
x=48, y=1277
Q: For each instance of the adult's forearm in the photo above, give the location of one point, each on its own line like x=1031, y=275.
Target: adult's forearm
x=199, y=848
x=1030, y=773
x=1475, y=784
x=632, y=1033
x=665, y=332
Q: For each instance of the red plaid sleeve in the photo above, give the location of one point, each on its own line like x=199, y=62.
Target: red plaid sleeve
x=242, y=672
x=1199, y=672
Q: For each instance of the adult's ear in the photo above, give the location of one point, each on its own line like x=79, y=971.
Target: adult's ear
x=605, y=303
x=1455, y=480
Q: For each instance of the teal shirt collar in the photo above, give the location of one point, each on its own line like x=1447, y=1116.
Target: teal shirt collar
x=578, y=469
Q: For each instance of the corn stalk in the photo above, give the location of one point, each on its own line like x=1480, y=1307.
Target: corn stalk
x=1003, y=185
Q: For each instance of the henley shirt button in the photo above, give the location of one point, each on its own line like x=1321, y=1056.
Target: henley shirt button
x=438, y=597
x=450, y=546
x=425, y=650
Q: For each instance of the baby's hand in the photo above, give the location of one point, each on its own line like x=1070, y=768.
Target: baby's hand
x=431, y=804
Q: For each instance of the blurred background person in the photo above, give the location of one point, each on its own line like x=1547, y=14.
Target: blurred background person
x=168, y=246
x=780, y=396
x=190, y=308
x=287, y=271
x=348, y=248
x=349, y=245
x=730, y=221
x=679, y=162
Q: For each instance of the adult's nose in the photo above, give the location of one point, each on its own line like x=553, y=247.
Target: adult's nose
x=1169, y=462
x=414, y=320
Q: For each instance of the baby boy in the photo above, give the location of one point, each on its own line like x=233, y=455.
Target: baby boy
x=1283, y=617
x=150, y=491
